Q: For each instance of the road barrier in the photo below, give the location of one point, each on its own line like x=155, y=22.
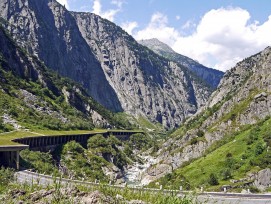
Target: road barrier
x=27, y=176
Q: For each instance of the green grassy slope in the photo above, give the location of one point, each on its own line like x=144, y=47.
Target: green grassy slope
x=234, y=157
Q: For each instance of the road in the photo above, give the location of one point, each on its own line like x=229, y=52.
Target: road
x=206, y=197
x=225, y=199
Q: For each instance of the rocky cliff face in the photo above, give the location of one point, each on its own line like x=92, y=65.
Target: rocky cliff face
x=209, y=75
x=146, y=84
x=117, y=71
x=243, y=98
x=46, y=29
x=33, y=95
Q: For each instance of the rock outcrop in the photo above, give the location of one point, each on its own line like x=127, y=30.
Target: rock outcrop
x=211, y=76
x=27, y=85
x=118, y=72
x=243, y=98
x=46, y=29
x=145, y=83
x=263, y=179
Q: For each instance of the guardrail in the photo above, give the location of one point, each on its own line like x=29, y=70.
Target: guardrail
x=33, y=177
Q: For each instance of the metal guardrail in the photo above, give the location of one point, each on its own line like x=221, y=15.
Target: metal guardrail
x=135, y=188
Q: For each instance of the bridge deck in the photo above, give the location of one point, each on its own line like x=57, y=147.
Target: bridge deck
x=9, y=154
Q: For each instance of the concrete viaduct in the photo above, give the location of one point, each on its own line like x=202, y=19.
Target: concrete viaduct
x=10, y=154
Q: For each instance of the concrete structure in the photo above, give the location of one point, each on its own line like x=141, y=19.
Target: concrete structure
x=9, y=155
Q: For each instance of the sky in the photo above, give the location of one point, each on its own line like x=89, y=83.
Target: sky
x=216, y=33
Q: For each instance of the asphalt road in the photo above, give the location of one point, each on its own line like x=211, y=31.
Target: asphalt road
x=207, y=197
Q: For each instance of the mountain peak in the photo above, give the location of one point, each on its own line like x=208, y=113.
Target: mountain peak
x=210, y=76
x=155, y=44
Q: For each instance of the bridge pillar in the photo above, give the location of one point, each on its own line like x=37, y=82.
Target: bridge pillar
x=18, y=160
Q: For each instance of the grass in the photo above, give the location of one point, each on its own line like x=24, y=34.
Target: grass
x=239, y=155
x=199, y=171
x=6, y=138
x=60, y=194
x=146, y=124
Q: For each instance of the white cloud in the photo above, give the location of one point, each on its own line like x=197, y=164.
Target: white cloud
x=118, y=3
x=108, y=14
x=129, y=26
x=177, y=18
x=64, y=3
x=157, y=28
x=222, y=37
x=97, y=7
x=188, y=24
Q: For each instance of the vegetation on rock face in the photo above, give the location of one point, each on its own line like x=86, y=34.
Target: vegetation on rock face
x=77, y=163
x=40, y=161
x=230, y=137
x=231, y=158
x=62, y=194
x=37, y=98
x=213, y=180
x=100, y=156
x=5, y=127
x=140, y=141
x=6, y=177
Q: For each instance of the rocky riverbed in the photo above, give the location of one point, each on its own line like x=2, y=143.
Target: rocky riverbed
x=136, y=173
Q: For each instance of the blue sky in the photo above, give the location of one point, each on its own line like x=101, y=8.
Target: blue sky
x=217, y=33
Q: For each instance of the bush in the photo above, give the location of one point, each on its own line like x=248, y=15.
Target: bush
x=226, y=174
x=254, y=189
x=40, y=161
x=193, y=141
x=228, y=155
x=213, y=180
x=73, y=147
x=200, y=133
x=107, y=148
x=230, y=162
x=99, y=144
x=259, y=149
x=5, y=127
x=82, y=164
x=140, y=141
x=6, y=176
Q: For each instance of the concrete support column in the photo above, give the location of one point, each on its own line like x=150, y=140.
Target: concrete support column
x=35, y=142
x=18, y=160
x=40, y=141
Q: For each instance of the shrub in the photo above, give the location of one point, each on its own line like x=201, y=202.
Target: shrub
x=82, y=164
x=200, y=133
x=193, y=141
x=259, y=149
x=230, y=162
x=6, y=175
x=73, y=147
x=254, y=189
x=40, y=161
x=140, y=141
x=226, y=174
x=213, y=180
x=228, y=155
x=99, y=144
